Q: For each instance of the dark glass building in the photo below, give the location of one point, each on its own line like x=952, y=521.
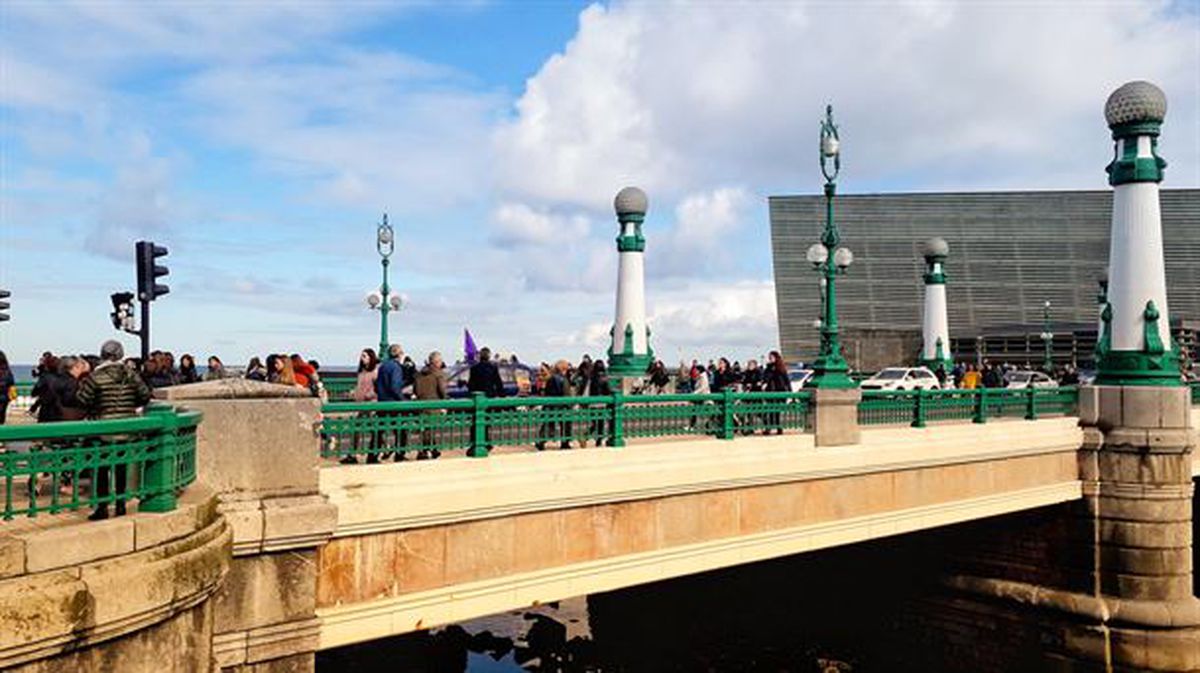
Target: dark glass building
x=1010, y=252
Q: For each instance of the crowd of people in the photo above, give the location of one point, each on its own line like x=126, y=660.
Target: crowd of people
x=108, y=385
x=968, y=376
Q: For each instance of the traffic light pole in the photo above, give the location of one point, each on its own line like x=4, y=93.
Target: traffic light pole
x=144, y=331
x=148, y=273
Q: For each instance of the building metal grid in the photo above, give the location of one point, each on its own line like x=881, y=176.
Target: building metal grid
x=1009, y=253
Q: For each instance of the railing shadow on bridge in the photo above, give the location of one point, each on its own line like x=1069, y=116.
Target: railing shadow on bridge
x=478, y=425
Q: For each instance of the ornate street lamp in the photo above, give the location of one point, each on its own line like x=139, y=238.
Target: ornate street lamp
x=383, y=300
x=829, y=369
x=1047, y=339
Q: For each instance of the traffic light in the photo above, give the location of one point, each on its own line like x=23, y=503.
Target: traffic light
x=148, y=272
x=4, y=305
x=122, y=315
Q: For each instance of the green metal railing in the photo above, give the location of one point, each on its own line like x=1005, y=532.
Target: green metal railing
x=478, y=424
x=339, y=388
x=57, y=467
x=1195, y=392
x=918, y=407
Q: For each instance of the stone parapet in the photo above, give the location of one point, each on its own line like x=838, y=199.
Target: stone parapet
x=835, y=416
x=259, y=449
x=252, y=445
x=153, y=571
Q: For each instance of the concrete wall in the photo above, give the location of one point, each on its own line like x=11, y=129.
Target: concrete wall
x=418, y=545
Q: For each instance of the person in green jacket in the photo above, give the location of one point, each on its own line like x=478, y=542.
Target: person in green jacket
x=112, y=391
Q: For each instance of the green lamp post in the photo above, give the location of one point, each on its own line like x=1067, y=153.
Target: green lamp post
x=383, y=300
x=1047, y=339
x=830, y=369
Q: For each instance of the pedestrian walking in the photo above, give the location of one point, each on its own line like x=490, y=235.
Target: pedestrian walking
x=556, y=425
x=389, y=387
x=8, y=387
x=112, y=391
x=601, y=429
x=484, y=377
x=215, y=370
x=775, y=379
x=364, y=391
x=430, y=384
x=255, y=371
x=187, y=369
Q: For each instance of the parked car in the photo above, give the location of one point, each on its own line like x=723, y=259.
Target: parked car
x=1030, y=379
x=902, y=378
x=799, y=377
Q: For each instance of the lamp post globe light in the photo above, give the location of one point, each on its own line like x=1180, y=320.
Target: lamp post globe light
x=1047, y=339
x=383, y=300
x=1135, y=346
x=830, y=369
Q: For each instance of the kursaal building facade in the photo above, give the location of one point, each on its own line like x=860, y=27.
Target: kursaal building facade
x=1011, y=253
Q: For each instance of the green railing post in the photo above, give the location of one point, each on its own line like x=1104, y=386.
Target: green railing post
x=618, y=420
x=919, y=409
x=1031, y=404
x=159, y=472
x=980, y=406
x=479, y=441
x=727, y=414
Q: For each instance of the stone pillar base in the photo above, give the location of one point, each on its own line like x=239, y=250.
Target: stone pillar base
x=1117, y=592
x=835, y=416
x=985, y=626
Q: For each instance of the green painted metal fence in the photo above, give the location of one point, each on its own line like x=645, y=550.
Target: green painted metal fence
x=339, y=388
x=478, y=424
x=1195, y=392
x=57, y=467
x=918, y=407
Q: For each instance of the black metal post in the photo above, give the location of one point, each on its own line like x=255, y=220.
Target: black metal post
x=144, y=331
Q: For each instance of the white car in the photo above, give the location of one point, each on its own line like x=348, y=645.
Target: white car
x=798, y=377
x=1030, y=379
x=902, y=378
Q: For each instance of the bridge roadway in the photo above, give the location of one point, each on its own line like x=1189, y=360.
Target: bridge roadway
x=417, y=545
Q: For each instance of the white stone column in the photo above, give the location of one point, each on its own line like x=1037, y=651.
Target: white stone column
x=629, y=353
x=935, y=325
x=1135, y=346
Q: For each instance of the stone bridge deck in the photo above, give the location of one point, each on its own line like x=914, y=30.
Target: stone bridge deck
x=424, y=544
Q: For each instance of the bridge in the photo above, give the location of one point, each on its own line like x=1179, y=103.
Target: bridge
x=251, y=534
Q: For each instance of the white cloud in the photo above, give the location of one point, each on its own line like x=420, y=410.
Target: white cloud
x=357, y=128
x=679, y=97
x=708, y=106
x=520, y=224
x=700, y=240
x=699, y=320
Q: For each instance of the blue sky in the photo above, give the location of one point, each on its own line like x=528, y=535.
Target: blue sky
x=261, y=142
